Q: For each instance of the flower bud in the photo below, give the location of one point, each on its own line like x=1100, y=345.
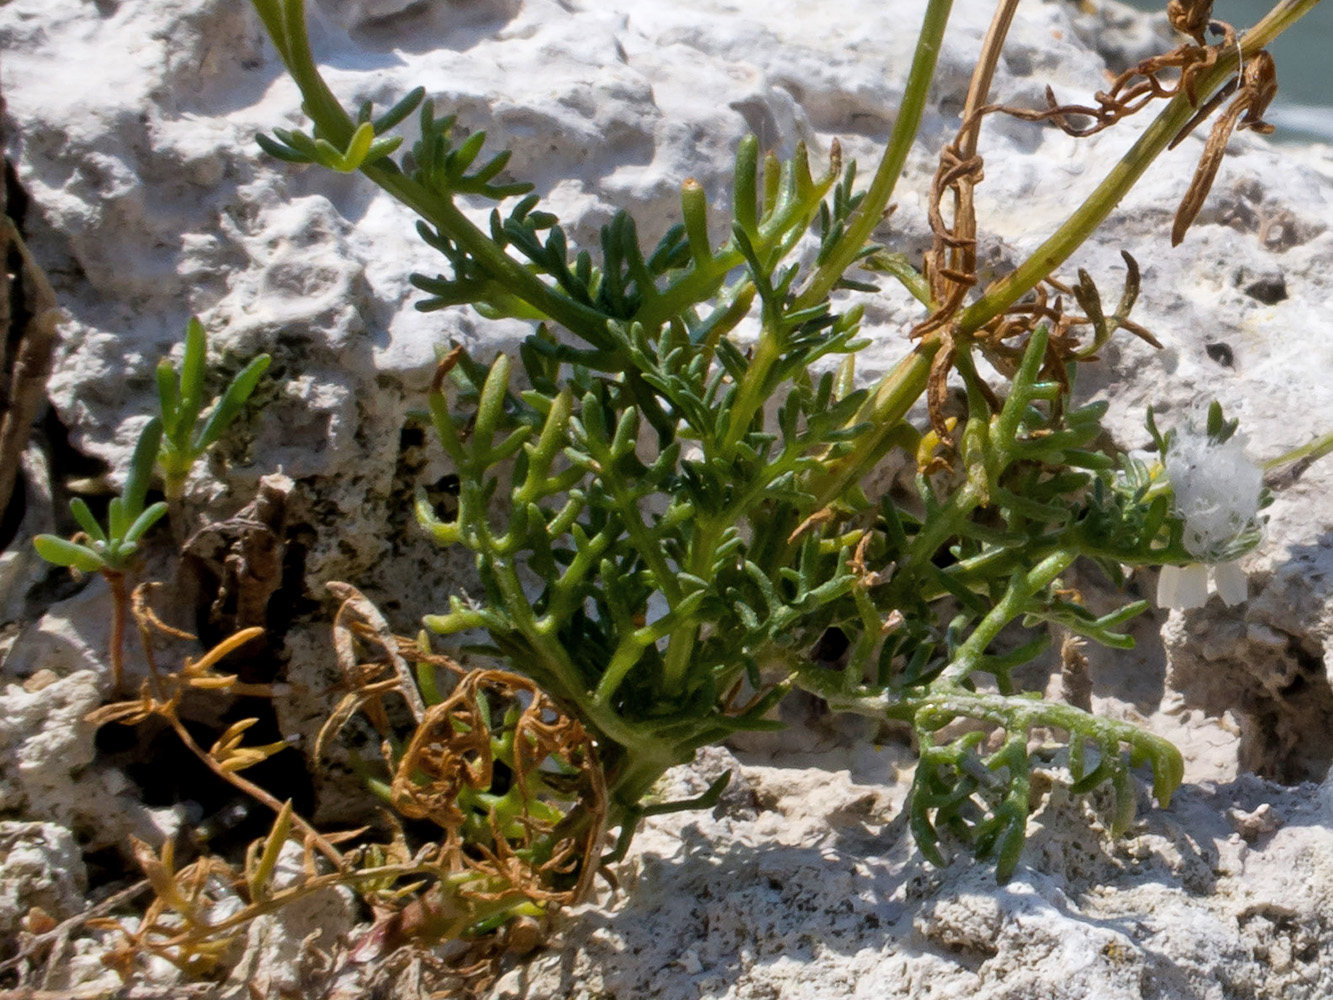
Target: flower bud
x=1217, y=490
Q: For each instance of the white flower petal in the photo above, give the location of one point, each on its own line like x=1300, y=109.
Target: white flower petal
x=1183, y=587
x=1168, y=586
x=1231, y=583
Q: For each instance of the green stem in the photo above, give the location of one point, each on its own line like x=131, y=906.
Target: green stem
x=1126, y=173
x=548, y=659
x=704, y=279
x=1010, y=606
x=1009, y=713
x=582, y=320
x=641, y=770
x=894, y=396
x=871, y=210
x=883, y=412
x=750, y=394
x=750, y=398
x=946, y=522
x=1310, y=452
x=676, y=659
x=333, y=122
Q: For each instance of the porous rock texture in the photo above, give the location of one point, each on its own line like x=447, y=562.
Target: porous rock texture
x=130, y=125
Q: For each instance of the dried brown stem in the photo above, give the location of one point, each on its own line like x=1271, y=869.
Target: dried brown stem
x=1258, y=87
x=312, y=835
x=951, y=265
x=32, y=360
x=120, y=608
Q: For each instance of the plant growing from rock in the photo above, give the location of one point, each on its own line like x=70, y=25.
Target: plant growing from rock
x=668, y=554
x=108, y=550
x=666, y=509
x=175, y=440
x=185, y=437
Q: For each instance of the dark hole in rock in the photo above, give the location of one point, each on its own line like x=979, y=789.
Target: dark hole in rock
x=14, y=511
x=16, y=198
x=1222, y=354
x=107, y=871
x=110, y=740
x=1274, y=741
x=1294, y=689
x=292, y=602
x=168, y=774
x=67, y=462
x=1269, y=289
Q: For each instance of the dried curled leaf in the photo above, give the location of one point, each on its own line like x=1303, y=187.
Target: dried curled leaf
x=494, y=764
x=358, y=623
x=1190, y=17
x=1258, y=87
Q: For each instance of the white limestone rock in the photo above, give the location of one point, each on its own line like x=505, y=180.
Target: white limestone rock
x=49, y=771
x=821, y=894
x=41, y=867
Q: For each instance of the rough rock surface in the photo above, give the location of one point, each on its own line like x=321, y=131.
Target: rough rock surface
x=814, y=890
x=41, y=867
x=149, y=202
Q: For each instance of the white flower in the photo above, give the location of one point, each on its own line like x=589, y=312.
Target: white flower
x=1217, y=492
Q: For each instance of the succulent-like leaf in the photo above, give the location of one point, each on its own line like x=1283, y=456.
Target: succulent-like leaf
x=234, y=398
x=57, y=550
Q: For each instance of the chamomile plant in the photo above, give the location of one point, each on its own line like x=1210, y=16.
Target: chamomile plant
x=667, y=517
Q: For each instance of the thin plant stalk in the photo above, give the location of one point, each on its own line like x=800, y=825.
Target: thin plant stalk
x=908, y=121
x=288, y=18
x=120, y=607
x=1125, y=174
x=895, y=394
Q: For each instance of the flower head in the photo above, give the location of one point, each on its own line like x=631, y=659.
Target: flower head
x=1218, y=491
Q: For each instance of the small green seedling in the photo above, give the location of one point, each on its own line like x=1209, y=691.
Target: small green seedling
x=184, y=438
x=108, y=550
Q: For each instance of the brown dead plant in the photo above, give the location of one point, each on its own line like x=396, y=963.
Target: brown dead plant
x=512, y=783
x=950, y=267
x=1255, y=85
